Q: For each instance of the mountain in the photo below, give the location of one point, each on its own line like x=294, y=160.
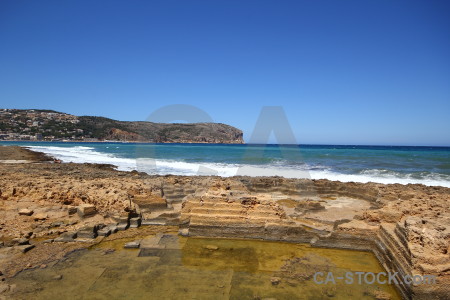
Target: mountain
x=36, y=124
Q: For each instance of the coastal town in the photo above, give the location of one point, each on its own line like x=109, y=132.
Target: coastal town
x=40, y=125
x=50, y=125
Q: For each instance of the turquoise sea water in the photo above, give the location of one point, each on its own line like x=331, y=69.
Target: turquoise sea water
x=384, y=164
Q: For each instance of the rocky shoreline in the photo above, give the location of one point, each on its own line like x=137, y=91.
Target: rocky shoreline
x=48, y=209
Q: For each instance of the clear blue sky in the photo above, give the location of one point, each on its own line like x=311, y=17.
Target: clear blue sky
x=346, y=72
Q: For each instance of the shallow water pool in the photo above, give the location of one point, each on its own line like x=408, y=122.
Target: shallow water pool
x=200, y=268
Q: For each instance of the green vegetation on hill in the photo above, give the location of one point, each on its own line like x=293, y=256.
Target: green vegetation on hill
x=99, y=127
x=49, y=125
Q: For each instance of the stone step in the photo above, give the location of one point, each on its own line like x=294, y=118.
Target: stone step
x=135, y=222
x=157, y=213
x=132, y=245
x=66, y=237
x=87, y=232
x=393, y=245
x=122, y=226
x=155, y=221
x=175, y=194
x=400, y=232
x=149, y=202
x=212, y=211
x=233, y=212
x=104, y=232
x=219, y=205
x=387, y=231
x=171, y=218
x=175, y=197
x=198, y=218
x=173, y=190
x=232, y=205
x=230, y=230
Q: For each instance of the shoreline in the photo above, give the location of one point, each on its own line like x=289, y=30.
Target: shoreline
x=246, y=144
x=363, y=172
x=127, y=142
x=406, y=226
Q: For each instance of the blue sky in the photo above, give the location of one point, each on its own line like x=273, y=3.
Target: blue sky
x=345, y=72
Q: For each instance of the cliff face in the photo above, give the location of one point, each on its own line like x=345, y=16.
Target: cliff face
x=186, y=133
x=17, y=124
x=108, y=129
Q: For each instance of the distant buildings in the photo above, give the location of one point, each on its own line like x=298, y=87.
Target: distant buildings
x=39, y=125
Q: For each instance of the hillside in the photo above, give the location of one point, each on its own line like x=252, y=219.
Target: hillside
x=33, y=124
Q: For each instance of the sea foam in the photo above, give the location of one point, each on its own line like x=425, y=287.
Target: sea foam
x=83, y=154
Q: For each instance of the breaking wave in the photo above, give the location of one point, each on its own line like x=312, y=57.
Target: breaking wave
x=83, y=154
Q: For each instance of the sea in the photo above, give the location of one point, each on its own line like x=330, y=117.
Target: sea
x=382, y=164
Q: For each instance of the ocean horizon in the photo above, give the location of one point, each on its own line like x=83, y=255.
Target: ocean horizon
x=428, y=165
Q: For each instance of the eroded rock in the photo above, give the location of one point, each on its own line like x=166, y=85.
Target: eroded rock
x=86, y=210
x=26, y=212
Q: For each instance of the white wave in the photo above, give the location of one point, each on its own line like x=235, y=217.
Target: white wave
x=382, y=177
x=81, y=154
x=226, y=170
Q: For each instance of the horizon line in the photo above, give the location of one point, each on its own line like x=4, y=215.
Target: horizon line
x=250, y=144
